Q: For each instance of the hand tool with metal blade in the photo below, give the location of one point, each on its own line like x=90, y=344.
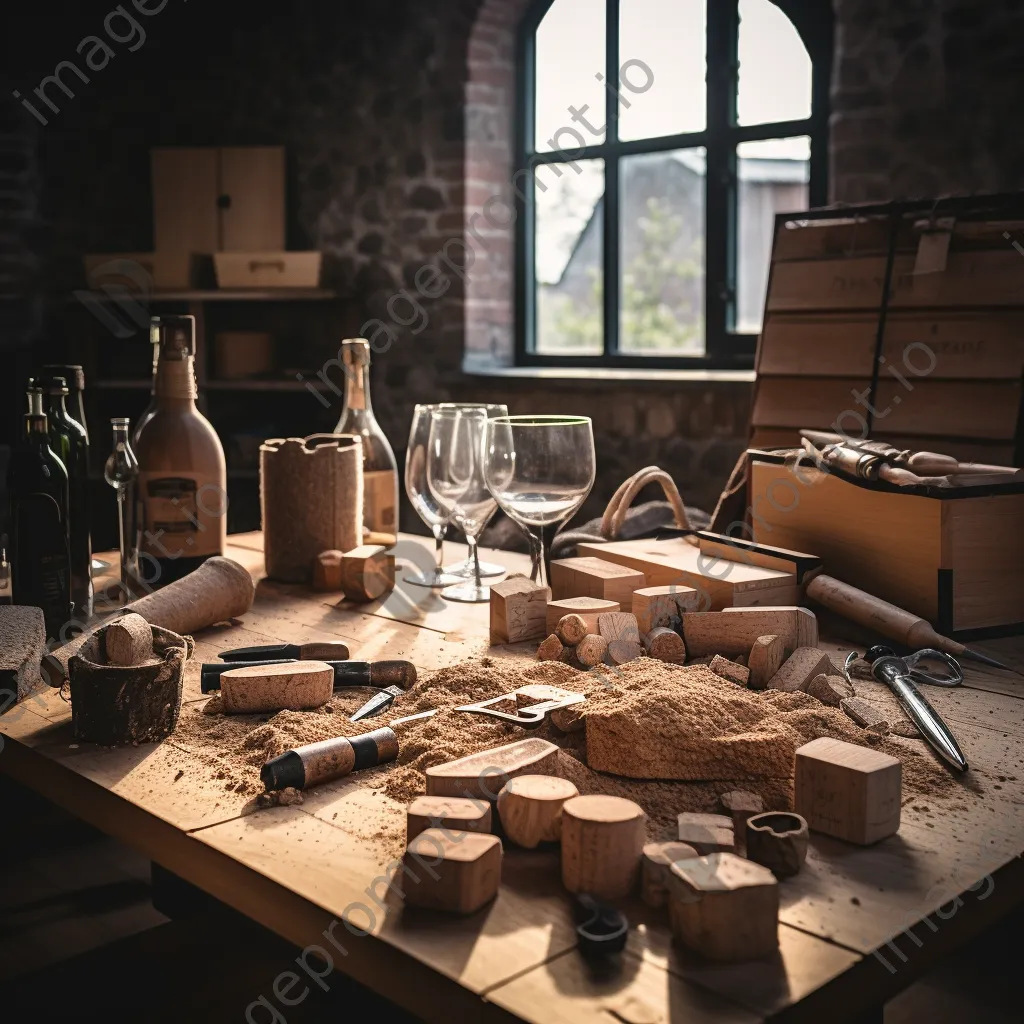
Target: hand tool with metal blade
x=331, y=759
x=377, y=674
x=326, y=650
x=900, y=674
x=378, y=703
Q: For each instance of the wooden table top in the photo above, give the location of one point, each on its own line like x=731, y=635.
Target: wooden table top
x=857, y=924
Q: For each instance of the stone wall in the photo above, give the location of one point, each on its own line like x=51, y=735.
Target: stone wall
x=927, y=96
x=397, y=120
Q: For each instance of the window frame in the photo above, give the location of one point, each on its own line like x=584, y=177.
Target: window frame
x=725, y=348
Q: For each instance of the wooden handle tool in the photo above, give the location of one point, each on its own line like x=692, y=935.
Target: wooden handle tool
x=218, y=590
x=887, y=619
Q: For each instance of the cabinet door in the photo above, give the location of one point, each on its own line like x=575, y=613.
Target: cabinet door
x=185, y=190
x=252, y=178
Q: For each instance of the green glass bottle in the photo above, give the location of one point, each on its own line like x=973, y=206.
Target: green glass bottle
x=38, y=486
x=70, y=442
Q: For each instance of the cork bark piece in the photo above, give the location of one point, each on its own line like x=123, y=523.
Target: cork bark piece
x=292, y=686
x=666, y=645
x=738, y=674
x=128, y=640
x=663, y=606
x=830, y=689
x=618, y=626
x=622, y=651
x=550, y=649
x=765, y=659
x=591, y=650
x=799, y=669
x=778, y=840
x=866, y=715
x=572, y=628
x=707, y=833
x=483, y=774
x=741, y=805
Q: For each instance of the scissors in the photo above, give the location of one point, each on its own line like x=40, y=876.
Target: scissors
x=900, y=675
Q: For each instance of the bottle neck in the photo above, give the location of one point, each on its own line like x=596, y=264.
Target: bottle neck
x=175, y=382
x=357, y=391
x=120, y=435
x=56, y=406
x=36, y=428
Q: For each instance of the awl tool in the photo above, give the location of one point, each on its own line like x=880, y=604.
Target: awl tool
x=900, y=675
x=326, y=650
x=378, y=674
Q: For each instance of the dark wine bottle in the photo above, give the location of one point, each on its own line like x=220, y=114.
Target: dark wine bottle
x=70, y=442
x=75, y=377
x=38, y=486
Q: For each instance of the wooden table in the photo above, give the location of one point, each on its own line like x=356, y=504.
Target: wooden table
x=857, y=924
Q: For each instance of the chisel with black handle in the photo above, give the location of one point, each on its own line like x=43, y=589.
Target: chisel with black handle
x=378, y=674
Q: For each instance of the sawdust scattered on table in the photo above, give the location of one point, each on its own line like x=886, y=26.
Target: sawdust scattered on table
x=686, y=703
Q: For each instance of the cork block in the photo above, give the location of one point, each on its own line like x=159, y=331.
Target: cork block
x=765, y=659
x=22, y=645
x=465, y=870
x=519, y=611
x=724, y=907
x=848, y=791
x=326, y=574
x=731, y=670
x=483, y=774
x=707, y=833
x=663, y=606
x=367, y=572
x=451, y=813
x=128, y=640
x=594, y=577
x=654, y=871
x=799, y=669
x=829, y=689
x=602, y=845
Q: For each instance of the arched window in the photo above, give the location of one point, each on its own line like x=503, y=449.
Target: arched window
x=658, y=139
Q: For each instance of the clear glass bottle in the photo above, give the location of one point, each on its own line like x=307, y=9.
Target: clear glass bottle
x=181, y=489
x=38, y=486
x=120, y=471
x=380, y=471
x=71, y=443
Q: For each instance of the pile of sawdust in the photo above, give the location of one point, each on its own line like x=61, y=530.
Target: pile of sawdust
x=663, y=706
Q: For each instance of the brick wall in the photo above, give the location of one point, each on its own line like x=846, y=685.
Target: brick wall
x=397, y=120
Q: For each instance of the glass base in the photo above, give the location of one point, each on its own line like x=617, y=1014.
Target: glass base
x=436, y=579
x=466, y=570
x=471, y=593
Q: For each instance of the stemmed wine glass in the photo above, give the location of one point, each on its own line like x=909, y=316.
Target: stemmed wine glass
x=467, y=568
x=423, y=501
x=455, y=476
x=540, y=469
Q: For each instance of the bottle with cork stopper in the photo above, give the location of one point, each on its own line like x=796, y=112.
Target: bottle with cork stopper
x=380, y=471
x=181, y=488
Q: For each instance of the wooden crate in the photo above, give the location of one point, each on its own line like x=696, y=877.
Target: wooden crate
x=955, y=558
x=935, y=358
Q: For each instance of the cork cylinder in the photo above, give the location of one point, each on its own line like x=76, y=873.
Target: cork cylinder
x=311, y=497
x=602, y=845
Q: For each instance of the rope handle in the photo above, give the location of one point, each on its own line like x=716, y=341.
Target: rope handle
x=615, y=513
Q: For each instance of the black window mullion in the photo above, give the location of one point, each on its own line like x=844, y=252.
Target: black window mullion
x=612, y=289
x=720, y=184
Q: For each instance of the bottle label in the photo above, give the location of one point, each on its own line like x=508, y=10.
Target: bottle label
x=181, y=515
x=380, y=512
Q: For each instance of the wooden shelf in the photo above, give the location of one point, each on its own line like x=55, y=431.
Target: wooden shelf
x=229, y=295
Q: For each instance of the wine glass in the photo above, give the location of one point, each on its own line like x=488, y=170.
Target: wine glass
x=467, y=568
x=455, y=476
x=423, y=501
x=540, y=469
x=120, y=471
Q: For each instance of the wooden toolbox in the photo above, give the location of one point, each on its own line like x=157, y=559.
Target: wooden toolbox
x=903, y=321
x=954, y=556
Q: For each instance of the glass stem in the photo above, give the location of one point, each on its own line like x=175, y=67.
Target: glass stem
x=474, y=553
x=540, y=568
x=439, y=530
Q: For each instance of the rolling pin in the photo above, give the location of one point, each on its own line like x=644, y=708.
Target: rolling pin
x=887, y=619
x=219, y=589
